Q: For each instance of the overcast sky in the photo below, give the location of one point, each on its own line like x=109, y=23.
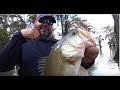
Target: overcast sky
x=98, y=20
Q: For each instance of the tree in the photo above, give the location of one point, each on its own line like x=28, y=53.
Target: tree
x=30, y=19
x=9, y=23
x=63, y=19
x=68, y=21
x=3, y=29
x=109, y=30
x=81, y=23
x=116, y=31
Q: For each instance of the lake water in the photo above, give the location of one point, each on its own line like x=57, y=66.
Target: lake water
x=104, y=64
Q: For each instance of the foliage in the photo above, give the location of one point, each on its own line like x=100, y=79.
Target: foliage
x=69, y=20
x=9, y=23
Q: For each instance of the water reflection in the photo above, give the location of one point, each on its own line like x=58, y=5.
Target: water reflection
x=104, y=64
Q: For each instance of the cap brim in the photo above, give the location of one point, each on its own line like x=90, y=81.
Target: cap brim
x=50, y=17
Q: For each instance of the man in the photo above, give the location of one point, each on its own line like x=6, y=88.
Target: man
x=28, y=47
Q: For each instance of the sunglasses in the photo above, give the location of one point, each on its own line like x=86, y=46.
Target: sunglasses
x=46, y=21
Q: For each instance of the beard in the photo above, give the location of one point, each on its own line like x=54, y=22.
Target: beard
x=45, y=34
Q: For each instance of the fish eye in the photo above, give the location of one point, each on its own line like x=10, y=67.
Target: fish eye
x=74, y=33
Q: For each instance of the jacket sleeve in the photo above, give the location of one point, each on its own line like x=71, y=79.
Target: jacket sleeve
x=10, y=54
x=87, y=65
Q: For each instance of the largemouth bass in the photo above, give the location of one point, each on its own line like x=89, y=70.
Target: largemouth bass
x=66, y=55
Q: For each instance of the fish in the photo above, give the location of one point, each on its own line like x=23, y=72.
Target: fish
x=66, y=55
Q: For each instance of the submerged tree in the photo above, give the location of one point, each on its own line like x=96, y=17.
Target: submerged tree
x=69, y=20
x=109, y=31
x=116, y=31
x=63, y=19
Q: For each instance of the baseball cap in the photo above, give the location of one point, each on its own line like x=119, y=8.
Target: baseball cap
x=50, y=16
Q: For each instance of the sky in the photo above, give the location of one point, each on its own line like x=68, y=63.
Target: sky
x=98, y=20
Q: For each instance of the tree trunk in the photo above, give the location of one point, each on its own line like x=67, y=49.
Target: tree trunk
x=66, y=27
x=116, y=31
x=61, y=17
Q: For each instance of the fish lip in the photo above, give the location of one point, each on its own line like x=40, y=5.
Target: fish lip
x=76, y=46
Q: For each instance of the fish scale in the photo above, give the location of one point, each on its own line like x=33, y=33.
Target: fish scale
x=66, y=55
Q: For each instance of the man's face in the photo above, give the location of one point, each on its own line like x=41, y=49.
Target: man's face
x=45, y=27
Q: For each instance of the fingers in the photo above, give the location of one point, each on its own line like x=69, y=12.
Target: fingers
x=91, y=54
x=89, y=44
x=35, y=34
x=30, y=33
x=31, y=36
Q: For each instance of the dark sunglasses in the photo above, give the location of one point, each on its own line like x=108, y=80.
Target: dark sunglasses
x=46, y=21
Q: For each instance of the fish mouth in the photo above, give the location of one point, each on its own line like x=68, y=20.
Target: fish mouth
x=76, y=46
x=72, y=60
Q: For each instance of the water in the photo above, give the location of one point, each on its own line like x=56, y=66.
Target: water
x=104, y=64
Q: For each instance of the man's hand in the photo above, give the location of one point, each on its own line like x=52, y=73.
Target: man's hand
x=30, y=33
x=91, y=54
